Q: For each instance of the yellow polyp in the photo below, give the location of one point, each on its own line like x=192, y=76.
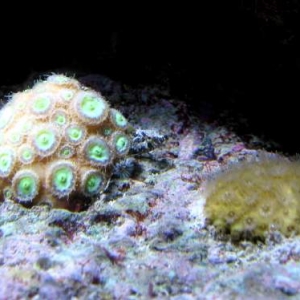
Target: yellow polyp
x=250, y=199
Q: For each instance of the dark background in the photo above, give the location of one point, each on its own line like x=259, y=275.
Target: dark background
x=241, y=57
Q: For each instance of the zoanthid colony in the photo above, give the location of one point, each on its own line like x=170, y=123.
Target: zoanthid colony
x=58, y=144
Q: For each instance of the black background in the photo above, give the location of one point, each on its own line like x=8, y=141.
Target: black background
x=243, y=56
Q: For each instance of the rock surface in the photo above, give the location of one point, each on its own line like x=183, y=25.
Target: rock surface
x=145, y=237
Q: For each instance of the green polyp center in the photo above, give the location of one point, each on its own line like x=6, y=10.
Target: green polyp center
x=107, y=131
x=63, y=179
x=75, y=133
x=26, y=188
x=120, y=119
x=98, y=152
x=45, y=139
x=60, y=119
x=41, y=105
x=66, y=152
x=121, y=143
x=67, y=95
x=15, y=138
x=5, y=162
x=93, y=183
x=7, y=192
x=27, y=154
x=92, y=106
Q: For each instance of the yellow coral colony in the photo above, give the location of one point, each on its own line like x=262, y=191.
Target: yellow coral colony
x=58, y=144
x=253, y=198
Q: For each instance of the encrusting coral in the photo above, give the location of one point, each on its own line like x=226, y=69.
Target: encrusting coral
x=59, y=142
x=253, y=198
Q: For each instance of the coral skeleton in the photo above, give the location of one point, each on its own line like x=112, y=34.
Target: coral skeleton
x=59, y=142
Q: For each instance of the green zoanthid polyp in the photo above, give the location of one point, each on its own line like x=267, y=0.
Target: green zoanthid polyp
x=66, y=151
x=120, y=143
x=92, y=182
x=62, y=178
x=7, y=160
x=41, y=105
x=26, y=154
x=60, y=118
x=97, y=151
x=59, y=142
x=118, y=119
x=75, y=133
x=45, y=141
x=91, y=108
x=25, y=185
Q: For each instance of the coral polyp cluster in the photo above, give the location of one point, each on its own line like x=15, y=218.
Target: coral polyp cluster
x=58, y=143
x=253, y=198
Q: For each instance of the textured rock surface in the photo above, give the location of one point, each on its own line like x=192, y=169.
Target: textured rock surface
x=144, y=237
